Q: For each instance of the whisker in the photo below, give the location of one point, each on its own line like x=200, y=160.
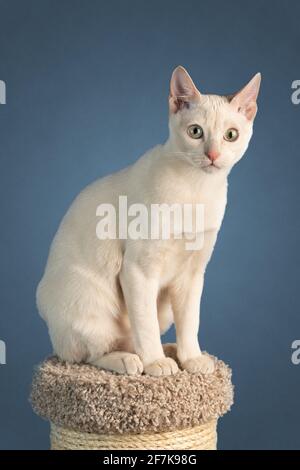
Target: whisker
x=192, y=157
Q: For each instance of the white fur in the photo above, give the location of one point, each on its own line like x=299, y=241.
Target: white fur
x=101, y=297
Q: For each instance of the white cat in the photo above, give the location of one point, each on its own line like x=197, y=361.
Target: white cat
x=106, y=302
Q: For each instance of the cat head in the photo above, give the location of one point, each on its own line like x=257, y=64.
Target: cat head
x=211, y=132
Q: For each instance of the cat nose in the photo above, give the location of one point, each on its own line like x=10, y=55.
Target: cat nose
x=212, y=155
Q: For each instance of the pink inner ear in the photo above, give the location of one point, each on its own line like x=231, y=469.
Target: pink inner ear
x=245, y=100
x=173, y=104
x=182, y=90
x=176, y=104
x=250, y=110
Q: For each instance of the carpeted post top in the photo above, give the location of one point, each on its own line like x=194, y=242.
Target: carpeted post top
x=84, y=398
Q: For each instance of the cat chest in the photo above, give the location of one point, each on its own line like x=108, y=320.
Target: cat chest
x=186, y=256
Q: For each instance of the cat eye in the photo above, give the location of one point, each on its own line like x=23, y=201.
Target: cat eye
x=231, y=135
x=195, y=131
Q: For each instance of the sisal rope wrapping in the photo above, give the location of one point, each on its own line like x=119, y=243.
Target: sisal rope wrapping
x=203, y=437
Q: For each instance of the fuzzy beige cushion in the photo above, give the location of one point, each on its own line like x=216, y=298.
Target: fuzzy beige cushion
x=84, y=398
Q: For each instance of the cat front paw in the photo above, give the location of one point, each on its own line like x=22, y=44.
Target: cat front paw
x=160, y=367
x=202, y=364
x=132, y=364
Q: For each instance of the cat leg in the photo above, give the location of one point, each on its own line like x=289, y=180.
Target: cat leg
x=186, y=306
x=164, y=311
x=185, y=296
x=166, y=319
x=140, y=291
x=87, y=322
x=121, y=362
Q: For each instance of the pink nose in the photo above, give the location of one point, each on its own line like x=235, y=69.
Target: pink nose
x=213, y=155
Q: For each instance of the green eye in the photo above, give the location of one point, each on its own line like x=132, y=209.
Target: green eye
x=195, y=131
x=231, y=134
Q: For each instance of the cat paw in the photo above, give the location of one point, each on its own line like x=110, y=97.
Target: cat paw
x=163, y=366
x=121, y=362
x=202, y=364
x=132, y=364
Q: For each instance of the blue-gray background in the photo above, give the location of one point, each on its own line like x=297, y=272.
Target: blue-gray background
x=87, y=85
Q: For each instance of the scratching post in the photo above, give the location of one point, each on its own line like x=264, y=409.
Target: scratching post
x=90, y=408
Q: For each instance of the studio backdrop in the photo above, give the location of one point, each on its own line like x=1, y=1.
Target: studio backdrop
x=83, y=93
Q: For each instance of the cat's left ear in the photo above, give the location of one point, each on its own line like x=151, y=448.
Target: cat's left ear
x=245, y=100
x=183, y=91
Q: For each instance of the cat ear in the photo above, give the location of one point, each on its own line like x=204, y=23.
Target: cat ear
x=245, y=100
x=182, y=90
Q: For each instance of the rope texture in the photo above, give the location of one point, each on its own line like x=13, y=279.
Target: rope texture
x=203, y=437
